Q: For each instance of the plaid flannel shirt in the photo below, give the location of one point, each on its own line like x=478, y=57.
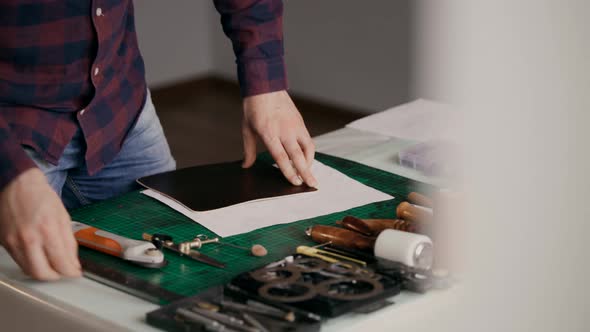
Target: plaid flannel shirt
x=75, y=64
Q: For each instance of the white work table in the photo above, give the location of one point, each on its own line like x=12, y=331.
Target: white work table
x=83, y=304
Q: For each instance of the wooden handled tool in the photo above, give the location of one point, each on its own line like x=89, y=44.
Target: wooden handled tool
x=340, y=237
x=407, y=248
x=413, y=213
x=419, y=199
x=372, y=227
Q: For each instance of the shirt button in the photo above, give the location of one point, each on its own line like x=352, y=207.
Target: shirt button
x=82, y=111
x=96, y=71
x=99, y=11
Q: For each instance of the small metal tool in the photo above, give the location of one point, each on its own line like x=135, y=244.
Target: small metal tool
x=209, y=324
x=196, y=243
x=239, y=307
x=161, y=240
x=275, y=307
x=227, y=320
x=256, y=250
x=327, y=256
x=254, y=322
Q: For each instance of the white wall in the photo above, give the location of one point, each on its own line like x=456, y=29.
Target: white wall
x=174, y=38
x=344, y=52
x=434, y=34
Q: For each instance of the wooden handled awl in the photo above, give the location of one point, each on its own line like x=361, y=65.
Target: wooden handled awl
x=372, y=227
x=413, y=213
x=340, y=237
x=419, y=199
x=143, y=253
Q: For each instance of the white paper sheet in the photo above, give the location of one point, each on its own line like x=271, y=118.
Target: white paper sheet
x=337, y=192
x=421, y=120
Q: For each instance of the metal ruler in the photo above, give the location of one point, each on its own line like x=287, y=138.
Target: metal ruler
x=127, y=283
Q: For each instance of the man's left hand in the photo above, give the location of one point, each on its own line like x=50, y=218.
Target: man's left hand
x=274, y=119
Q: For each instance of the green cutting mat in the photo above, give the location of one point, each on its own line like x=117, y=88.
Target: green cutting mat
x=132, y=214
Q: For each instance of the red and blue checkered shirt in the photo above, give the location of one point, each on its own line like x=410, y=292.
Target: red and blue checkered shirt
x=70, y=64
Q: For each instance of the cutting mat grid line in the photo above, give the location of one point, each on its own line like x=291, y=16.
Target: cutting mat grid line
x=134, y=213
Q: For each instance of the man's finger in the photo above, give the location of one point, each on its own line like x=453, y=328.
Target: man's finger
x=308, y=148
x=37, y=265
x=18, y=256
x=294, y=151
x=60, y=258
x=277, y=151
x=57, y=247
x=70, y=243
x=249, y=139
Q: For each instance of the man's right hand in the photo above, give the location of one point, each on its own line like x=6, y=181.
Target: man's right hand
x=36, y=229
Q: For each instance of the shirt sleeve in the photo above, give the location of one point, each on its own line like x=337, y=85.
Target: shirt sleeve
x=255, y=28
x=13, y=159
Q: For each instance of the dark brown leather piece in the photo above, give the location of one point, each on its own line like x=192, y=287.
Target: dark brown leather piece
x=209, y=187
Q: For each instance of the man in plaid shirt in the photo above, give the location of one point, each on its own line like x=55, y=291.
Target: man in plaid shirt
x=77, y=124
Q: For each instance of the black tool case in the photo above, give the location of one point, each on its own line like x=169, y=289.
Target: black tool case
x=325, y=306
x=390, y=276
x=165, y=318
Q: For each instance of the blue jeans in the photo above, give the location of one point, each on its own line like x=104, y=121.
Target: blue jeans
x=144, y=152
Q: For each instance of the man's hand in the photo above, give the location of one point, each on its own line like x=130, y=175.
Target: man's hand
x=36, y=229
x=274, y=119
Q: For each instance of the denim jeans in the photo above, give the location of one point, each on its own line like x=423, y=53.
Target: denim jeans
x=144, y=152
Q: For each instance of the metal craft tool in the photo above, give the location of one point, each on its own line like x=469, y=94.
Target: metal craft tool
x=208, y=324
x=327, y=256
x=196, y=243
x=239, y=307
x=256, y=250
x=270, y=309
x=254, y=322
x=142, y=253
x=161, y=240
x=360, y=255
x=278, y=308
x=228, y=320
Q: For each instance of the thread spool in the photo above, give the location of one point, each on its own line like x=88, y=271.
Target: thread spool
x=413, y=250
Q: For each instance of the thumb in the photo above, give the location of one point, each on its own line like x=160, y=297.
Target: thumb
x=249, y=139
